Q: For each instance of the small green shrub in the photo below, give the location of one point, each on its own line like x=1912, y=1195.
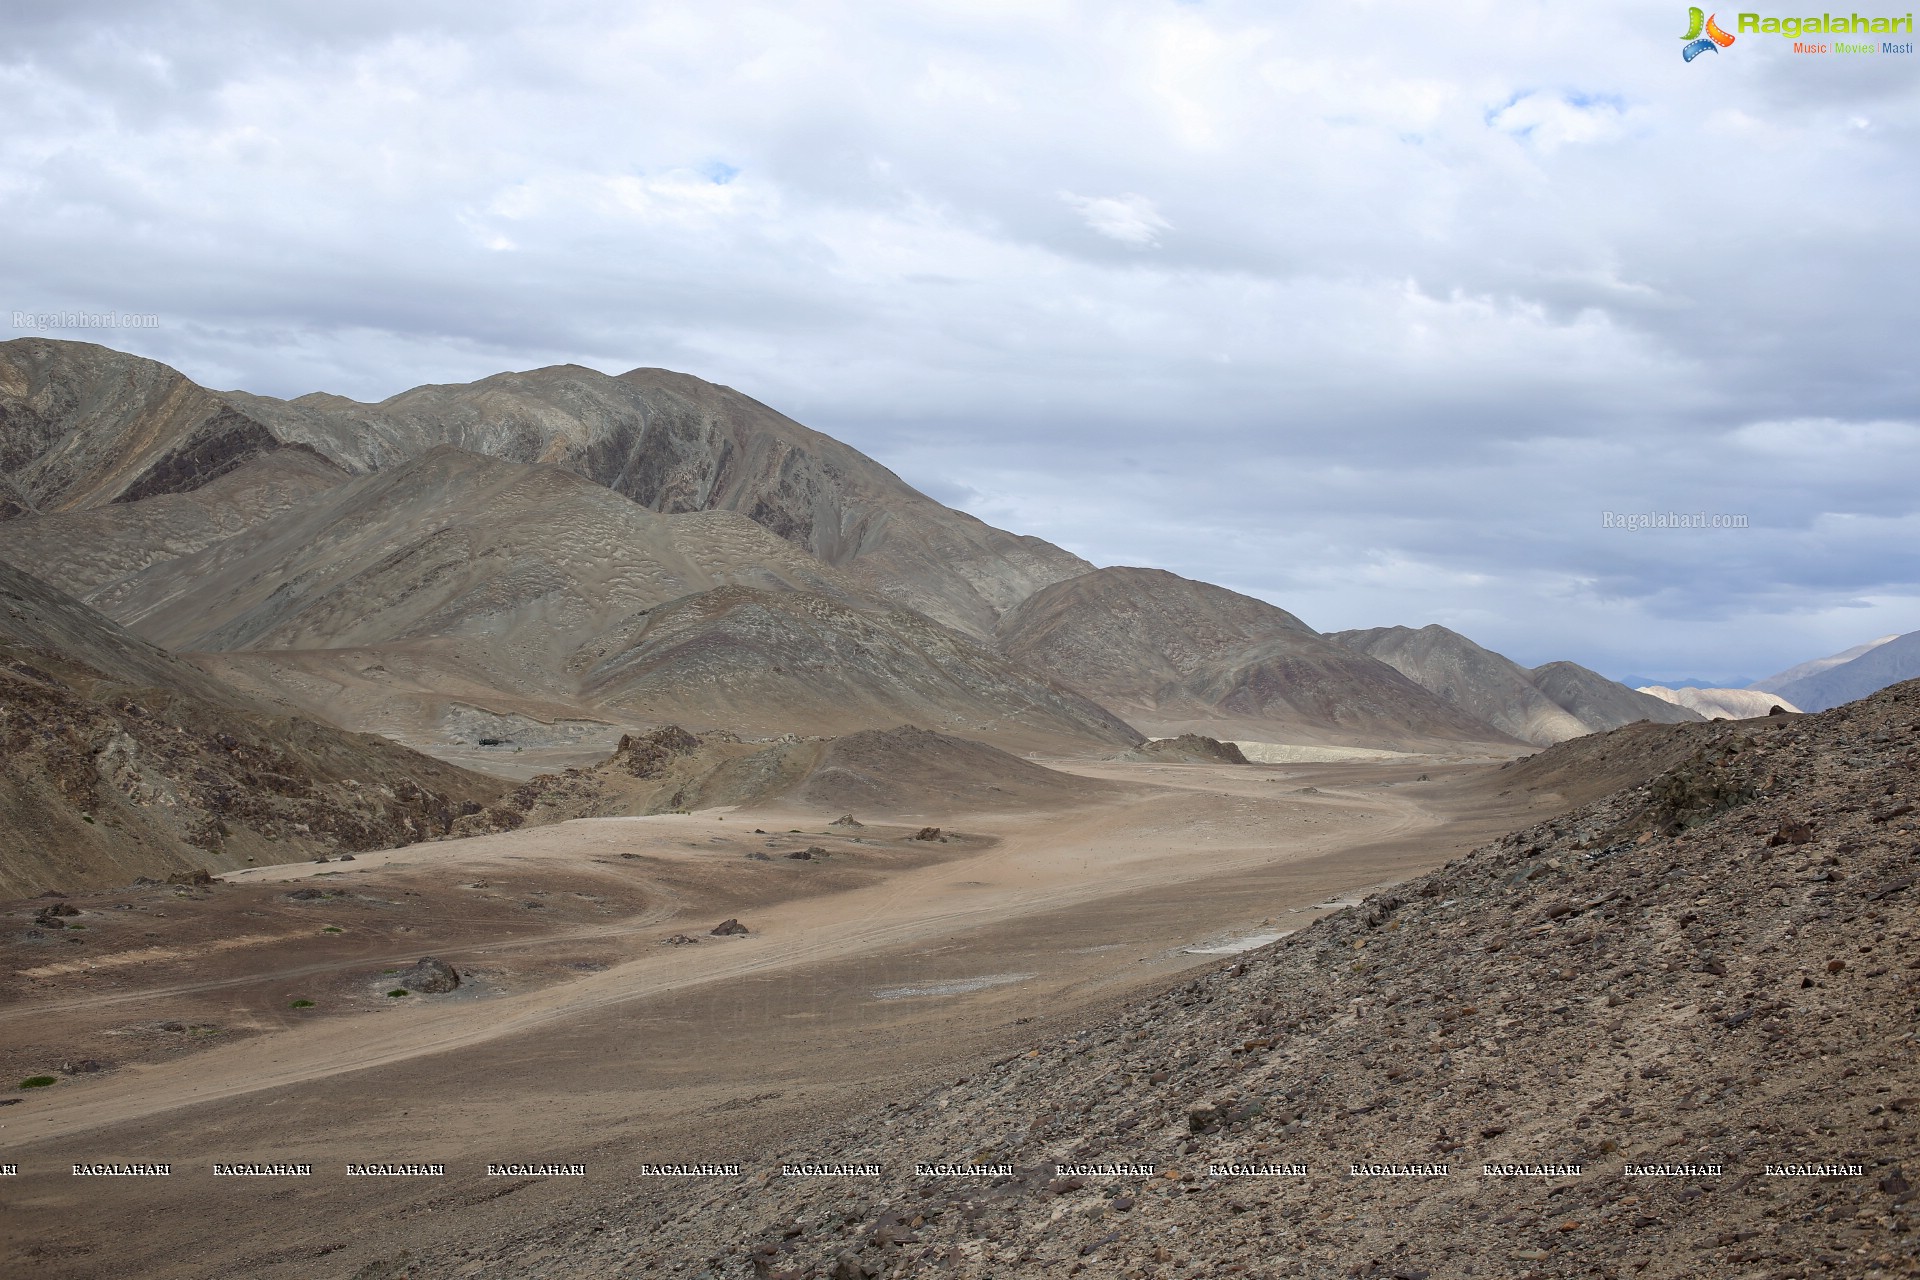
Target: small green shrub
x=36, y=1082
x=300, y=1004
x=333, y=928
x=399, y=991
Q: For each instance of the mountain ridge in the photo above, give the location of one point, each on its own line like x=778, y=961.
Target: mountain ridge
x=1173, y=656
x=1542, y=705
x=669, y=441
x=1877, y=665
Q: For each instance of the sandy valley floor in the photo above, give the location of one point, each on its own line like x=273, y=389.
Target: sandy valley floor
x=580, y=1035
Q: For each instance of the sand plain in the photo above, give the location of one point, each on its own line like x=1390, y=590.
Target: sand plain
x=581, y=1036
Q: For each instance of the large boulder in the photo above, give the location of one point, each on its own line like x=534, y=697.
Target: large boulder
x=430, y=977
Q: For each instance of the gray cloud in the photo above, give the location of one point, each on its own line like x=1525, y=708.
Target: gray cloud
x=1374, y=320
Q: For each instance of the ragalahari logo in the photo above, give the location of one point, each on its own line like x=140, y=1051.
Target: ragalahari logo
x=1698, y=21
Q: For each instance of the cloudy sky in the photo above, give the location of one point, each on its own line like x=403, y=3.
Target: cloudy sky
x=1374, y=310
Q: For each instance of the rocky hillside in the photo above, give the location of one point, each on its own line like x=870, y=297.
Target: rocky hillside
x=1188, y=748
x=119, y=760
x=1175, y=656
x=448, y=545
x=92, y=550
x=1543, y=705
x=1669, y=1034
x=902, y=773
x=86, y=426
x=449, y=582
x=773, y=662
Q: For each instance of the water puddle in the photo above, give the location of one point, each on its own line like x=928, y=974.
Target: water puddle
x=948, y=987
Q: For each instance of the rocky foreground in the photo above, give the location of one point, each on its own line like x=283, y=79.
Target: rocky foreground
x=1670, y=1034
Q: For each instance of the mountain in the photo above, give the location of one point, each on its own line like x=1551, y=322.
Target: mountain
x=1479, y=681
x=89, y=550
x=1544, y=705
x=527, y=562
x=1775, y=682
x=1594, y=700
x=118, y=759
x=84, y=426
x=404, y=599
x=87, y=427
x=768, y=662
x=1177, y=656
x=1881, y=664
x=1722, y=704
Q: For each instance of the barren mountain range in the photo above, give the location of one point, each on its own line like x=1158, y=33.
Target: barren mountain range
x=1544, y=705
x=536, y=563
x=1814, y=666
x=86, y=426
x=1828, y=682
x=1721, y=704
x=1176, y=656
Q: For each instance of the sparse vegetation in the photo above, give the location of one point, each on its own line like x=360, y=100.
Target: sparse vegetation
x=399, y=991
x=333, y=928
x=36, y=1082
x=300, y=1004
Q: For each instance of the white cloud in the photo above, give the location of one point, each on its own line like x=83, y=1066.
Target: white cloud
x=1132, y=220
x=1551, y=120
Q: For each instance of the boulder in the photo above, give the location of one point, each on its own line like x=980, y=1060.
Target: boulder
x=429, y=976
